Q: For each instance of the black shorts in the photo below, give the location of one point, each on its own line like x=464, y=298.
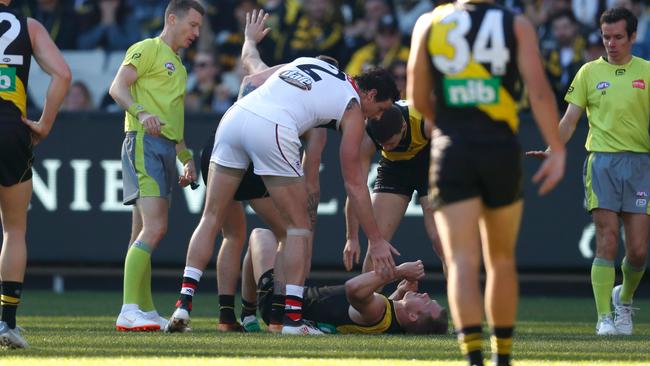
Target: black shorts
x=16, y=156
x=265, y=295
x=404, y=176
x=463, y=168
x=251, y=187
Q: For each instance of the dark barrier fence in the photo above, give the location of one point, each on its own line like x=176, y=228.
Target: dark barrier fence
x=77, y=218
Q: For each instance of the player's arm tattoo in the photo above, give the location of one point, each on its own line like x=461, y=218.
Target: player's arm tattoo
x=312, y=207
x=246, y=89
x=351, y=104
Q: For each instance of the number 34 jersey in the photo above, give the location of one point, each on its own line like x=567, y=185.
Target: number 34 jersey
x=15, y=59
x=303, y=94
x=473, y=51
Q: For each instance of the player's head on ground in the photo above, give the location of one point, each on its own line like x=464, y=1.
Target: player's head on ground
x=423, y=315
x=377, y=91
x=389, y=129
x=183, y=19
x=618, y=29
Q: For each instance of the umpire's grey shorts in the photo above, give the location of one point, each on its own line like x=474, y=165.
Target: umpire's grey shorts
x=619, y=182
x=148, y=167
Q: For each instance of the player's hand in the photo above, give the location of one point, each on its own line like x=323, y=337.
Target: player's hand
x=351, y=253
x=381, y=253
x=189, y=174
x=551, y=171
x=407, y=285
x=256, y=28
x=411, y=271
x=151, y=123
x=39, y=130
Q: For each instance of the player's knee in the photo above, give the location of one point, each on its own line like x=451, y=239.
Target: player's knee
x=155, y=232
x=637, y=255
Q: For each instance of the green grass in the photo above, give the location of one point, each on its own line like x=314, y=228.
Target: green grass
x=77, y=328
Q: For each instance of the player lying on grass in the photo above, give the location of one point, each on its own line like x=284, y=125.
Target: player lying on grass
x=354, y=307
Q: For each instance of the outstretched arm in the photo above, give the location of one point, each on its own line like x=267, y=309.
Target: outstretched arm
x=379, y=249
x=254, y=32
x=352, y=250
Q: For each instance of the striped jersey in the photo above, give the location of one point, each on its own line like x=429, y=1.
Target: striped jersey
x=15, y=61
x=473, y=52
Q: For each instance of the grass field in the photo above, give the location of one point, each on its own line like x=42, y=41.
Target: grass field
x=77, y=329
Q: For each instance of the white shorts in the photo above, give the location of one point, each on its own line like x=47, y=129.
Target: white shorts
x=243, y=136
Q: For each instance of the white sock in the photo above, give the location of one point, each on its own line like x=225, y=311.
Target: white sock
x=193, y=273
x=295, y=290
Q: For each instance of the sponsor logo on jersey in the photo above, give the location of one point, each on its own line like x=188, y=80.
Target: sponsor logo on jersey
x=136, y=56
x=639, y=84
x=7, y=79
x=641, y=202
x=602, y=85
x=571, y=89
x=619, y=72
x=297, y=79
x=471, y=92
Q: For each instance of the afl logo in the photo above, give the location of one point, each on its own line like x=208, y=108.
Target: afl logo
x=170, y=66
x=602, y=85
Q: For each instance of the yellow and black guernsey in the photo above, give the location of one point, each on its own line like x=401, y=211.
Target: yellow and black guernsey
x=413, y=143
x=473, y=52
x=330, y=308
x=15, y=61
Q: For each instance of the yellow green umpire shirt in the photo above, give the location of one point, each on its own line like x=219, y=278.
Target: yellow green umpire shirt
x=160, y=87
x=617, y=99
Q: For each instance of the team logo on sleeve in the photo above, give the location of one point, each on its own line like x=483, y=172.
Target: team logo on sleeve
x=170, y=68
x=638, y=84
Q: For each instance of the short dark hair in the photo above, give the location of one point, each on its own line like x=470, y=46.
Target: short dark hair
x=613, y=15
x=380, y=80
x=181, y=7
x=567, y=13
x=389, y=124
x=329, y=59
x=429, y=324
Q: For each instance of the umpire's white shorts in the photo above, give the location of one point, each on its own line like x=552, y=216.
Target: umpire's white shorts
x=243, y=136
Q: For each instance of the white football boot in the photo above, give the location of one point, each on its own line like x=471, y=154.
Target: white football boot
x=11, y=338
x=623, y=313
x=135, y=321
x=179, y=322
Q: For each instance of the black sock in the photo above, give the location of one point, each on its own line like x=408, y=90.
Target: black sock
x=9, y=301
x=227, y=309
x=187, y=293
x=501, y=341
x=470, y=341
x=247, y=309
x=277, y=309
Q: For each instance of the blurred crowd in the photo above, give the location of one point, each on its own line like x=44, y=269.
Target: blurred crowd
x=359, y=33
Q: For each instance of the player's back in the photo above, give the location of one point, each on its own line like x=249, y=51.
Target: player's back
x=305, y=93
x=15, y=62
x=473, y=50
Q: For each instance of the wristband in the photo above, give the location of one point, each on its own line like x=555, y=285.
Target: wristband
x=134, y=109
x=184, y=156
